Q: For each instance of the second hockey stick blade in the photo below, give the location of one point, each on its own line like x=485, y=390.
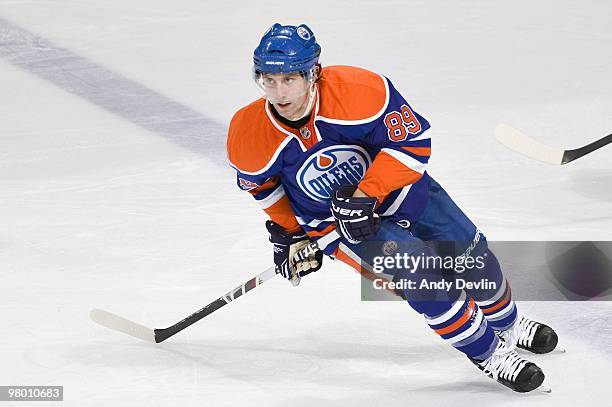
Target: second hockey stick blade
x=521, y=143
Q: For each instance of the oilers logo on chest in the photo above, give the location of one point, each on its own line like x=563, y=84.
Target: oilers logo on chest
x=327, y=169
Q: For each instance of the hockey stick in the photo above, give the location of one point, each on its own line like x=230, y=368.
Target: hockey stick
x=521, y=143
x=117, y=323
x=145, y=333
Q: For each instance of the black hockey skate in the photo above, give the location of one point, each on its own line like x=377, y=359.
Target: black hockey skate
x=509, y=369
x=530, y=335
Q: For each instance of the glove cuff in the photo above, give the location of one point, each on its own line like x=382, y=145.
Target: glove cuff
x=279, y=235
x=345, y=194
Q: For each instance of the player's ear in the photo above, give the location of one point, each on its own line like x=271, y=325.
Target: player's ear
x=317, y=72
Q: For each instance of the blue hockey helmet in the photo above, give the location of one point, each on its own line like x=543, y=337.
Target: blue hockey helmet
x=285, y=49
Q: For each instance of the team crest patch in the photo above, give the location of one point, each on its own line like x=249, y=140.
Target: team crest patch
x=246, y=184
x=331, y=167
x=303, y=33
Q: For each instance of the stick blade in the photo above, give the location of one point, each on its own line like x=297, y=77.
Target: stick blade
x=120, y=324
x=523, y=144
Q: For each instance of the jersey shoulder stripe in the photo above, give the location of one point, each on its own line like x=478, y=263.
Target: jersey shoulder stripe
x=351, y=95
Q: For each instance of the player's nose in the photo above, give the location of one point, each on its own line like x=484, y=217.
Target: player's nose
x=278, y=92
x=281, y=89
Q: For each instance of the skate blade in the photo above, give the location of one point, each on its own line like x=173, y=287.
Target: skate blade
x=557, y=350
x=544, y=389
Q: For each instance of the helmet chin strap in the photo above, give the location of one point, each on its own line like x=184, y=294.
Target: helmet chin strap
x=312, y=90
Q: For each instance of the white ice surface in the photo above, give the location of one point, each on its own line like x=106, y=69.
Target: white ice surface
x=100, y=211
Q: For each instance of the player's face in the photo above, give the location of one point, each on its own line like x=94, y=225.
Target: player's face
x=288, y=93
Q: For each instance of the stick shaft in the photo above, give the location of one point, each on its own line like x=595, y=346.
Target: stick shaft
x=134, y=329
x=571, y=155
x=163, y=334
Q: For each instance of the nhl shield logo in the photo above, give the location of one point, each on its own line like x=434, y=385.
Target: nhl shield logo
x=305, y=133
x=331, y=167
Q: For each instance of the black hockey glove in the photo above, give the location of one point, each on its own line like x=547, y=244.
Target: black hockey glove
x=287, y=259
x=355, y=217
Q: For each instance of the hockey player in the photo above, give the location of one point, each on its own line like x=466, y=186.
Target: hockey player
x=337, y=152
